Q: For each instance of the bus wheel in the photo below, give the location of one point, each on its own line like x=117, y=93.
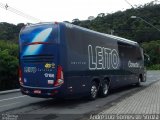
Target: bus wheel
x=139, y=81
x=103, y=90
x=93, y=91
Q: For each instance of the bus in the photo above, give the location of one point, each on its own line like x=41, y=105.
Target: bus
x=62, y=60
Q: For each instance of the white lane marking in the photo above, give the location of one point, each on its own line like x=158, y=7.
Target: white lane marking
x=13, y=98
x=9, y=104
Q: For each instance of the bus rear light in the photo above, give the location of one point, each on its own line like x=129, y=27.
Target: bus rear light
x=60, y=79
x=20, y=76
x=35, y=43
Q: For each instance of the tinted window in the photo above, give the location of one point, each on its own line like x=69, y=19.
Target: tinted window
x=129, y=51
x=38, y=39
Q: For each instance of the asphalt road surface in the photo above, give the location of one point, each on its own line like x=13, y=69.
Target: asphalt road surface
x=21, y=107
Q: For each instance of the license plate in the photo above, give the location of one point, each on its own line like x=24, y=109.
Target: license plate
x=37, y=91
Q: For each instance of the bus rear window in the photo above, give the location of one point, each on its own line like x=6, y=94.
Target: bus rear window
x=39, y=33
x=38, y=39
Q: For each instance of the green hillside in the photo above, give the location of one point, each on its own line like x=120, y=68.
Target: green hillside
x=10, y=31
x=122, y=24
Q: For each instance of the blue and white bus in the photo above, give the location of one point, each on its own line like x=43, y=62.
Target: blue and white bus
x=63, y=60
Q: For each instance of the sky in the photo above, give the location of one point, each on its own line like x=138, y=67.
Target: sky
x=62, y=10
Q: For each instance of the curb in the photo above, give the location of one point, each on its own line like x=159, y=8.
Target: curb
x=9, y=91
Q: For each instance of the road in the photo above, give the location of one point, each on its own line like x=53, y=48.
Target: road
x=25, y=107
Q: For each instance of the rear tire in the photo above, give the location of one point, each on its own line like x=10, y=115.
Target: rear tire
x=103, y=90
x=93, y=91
x=139, y=82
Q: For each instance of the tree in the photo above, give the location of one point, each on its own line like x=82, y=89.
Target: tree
x=8, y=70
x=101, y=14
x=152, y=48
x=91, y=18
x=8, y=65
x=126, y=27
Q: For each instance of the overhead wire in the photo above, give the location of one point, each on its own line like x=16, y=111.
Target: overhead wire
x=18, y=12
x=143, y=16
x=129, y=3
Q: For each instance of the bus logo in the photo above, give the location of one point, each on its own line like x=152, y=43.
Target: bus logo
x=49, y=75
x=133, y=65
x=48, y=65
x=30, y=69
x=102, y=58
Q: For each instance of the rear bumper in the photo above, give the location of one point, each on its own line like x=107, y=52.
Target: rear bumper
x=44, y=92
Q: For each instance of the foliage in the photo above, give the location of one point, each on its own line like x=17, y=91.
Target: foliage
x=154, y=67
x=8, y=65
x=122, y=24
x=10, y=31
x=152, y=48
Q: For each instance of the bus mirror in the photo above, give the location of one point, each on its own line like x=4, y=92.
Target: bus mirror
x=146, y=59
x=146, y=56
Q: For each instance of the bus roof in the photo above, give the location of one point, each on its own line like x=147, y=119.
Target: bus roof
x=104, y=34
x=82, y=28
